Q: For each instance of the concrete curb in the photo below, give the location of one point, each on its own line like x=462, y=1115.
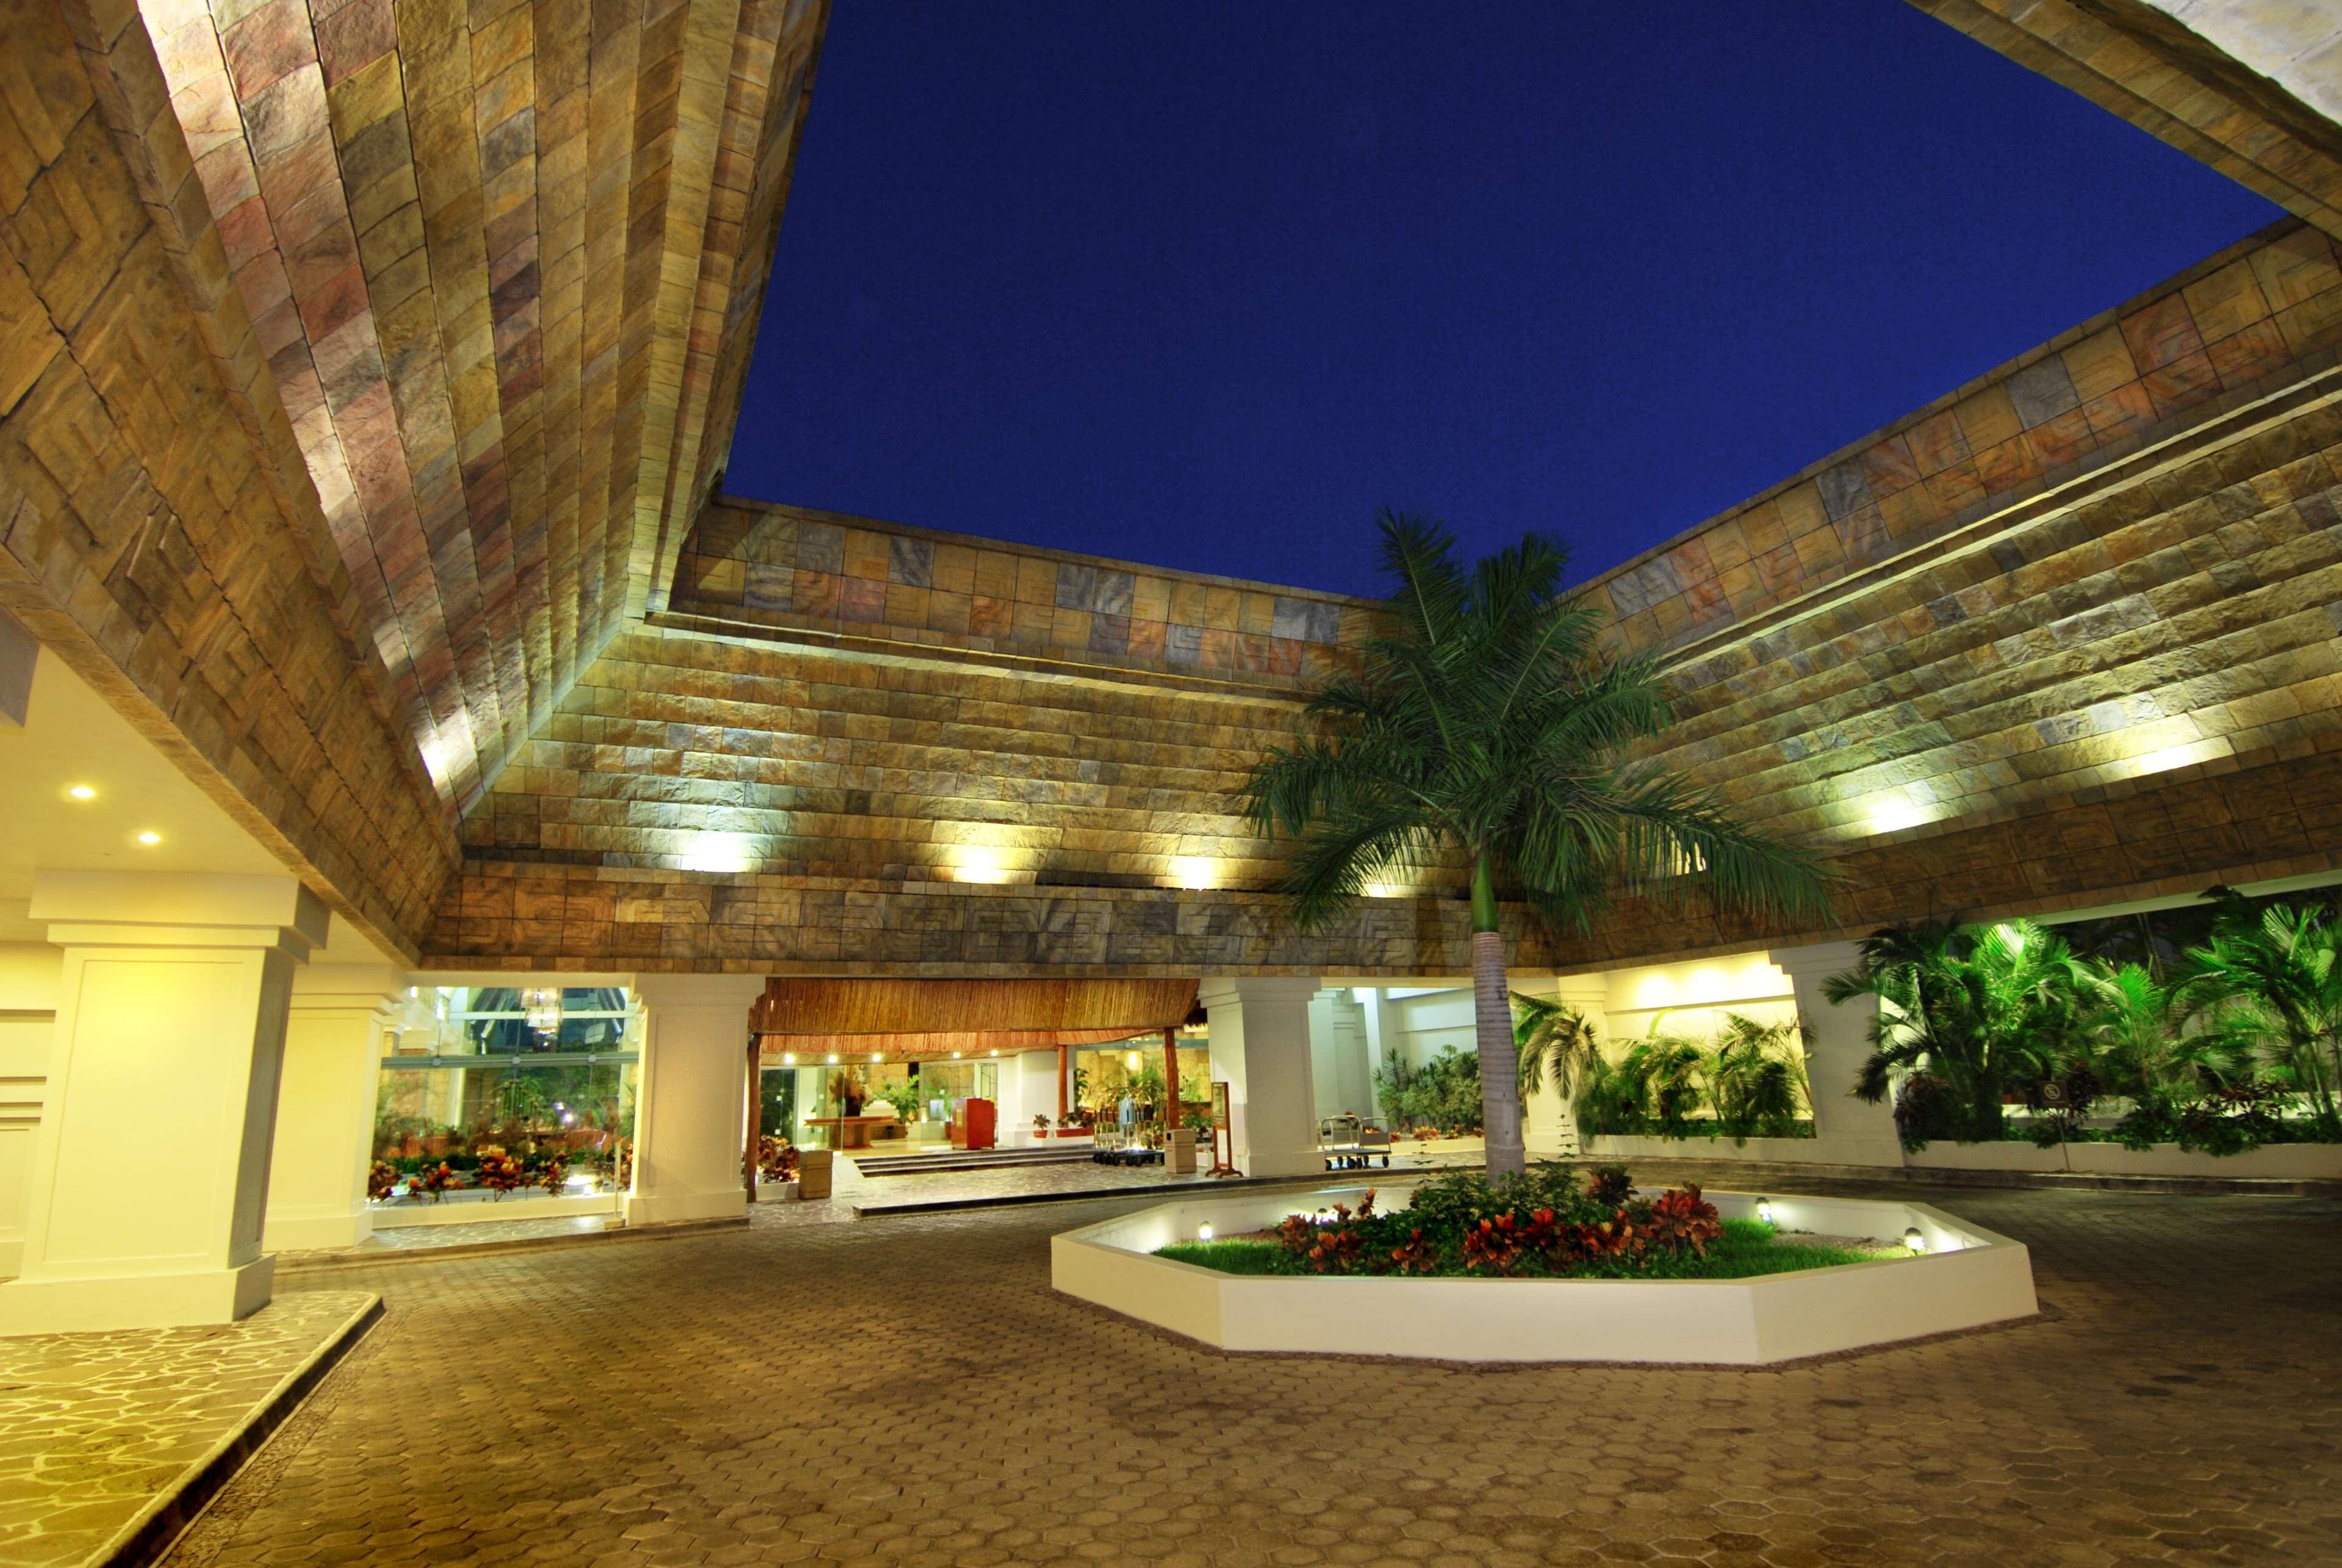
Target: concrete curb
x=491, y=1248
x=158, y=1525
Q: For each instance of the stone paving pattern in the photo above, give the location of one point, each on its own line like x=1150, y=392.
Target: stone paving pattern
x=94, y=1427
x=909, y=1392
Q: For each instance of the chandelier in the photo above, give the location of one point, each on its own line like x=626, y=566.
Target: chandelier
x=541, y=1008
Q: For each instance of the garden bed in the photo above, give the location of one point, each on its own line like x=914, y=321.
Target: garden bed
x=1968, y=1277
x=464, y=1208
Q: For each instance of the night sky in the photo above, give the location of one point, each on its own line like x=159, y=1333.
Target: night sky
x=1204, y=286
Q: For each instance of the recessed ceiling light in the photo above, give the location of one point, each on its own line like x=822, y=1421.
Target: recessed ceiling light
x=150, y=838
x=82, y=792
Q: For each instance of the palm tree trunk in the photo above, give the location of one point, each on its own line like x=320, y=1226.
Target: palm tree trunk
x=1492, y=1017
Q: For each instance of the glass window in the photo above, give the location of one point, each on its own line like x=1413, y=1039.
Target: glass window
x=479, y=1101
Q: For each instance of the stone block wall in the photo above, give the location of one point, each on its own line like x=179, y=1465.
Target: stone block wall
x=687, y=751
x=2178, y=612
x=750, y=565
x=2257, y=317
x=156, y=529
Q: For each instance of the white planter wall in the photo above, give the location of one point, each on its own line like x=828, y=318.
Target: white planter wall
x=1969, y=1278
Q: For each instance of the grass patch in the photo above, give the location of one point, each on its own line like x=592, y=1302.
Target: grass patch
x=1746, y=1248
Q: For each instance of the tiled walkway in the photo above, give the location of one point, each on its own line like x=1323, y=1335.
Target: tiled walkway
x=910, y=1391
x=94, y=1427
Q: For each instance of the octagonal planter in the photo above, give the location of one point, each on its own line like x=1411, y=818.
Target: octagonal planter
x=1969, y=1277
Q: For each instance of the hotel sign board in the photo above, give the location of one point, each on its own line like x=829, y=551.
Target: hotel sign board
x=1220, y=1108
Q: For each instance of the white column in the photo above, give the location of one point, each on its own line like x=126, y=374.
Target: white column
x=1846, y=1130
x=29, y=972
x=691, y=1115
x=324, y=1108
x=169, y=1038
x=1260, y=1047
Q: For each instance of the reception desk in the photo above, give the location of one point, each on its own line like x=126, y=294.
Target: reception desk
x=849, y=1132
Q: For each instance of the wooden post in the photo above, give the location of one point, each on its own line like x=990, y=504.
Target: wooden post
x=1061, y=1087
x=1170, y=1079
x=748, y=1162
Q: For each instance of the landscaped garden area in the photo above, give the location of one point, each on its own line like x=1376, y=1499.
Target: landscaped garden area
x=2216, y=1027
x=1551, y=1221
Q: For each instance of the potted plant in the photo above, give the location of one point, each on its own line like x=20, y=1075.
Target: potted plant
x=848, y=1090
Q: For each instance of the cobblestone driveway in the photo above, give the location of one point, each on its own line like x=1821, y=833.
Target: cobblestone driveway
x=910, y=1391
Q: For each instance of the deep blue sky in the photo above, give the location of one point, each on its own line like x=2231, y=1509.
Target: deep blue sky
x=1205, y=284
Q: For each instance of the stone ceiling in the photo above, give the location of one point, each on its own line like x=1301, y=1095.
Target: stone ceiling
x=504, y=262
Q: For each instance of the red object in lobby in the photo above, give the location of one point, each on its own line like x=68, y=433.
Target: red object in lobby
x=978, y=1121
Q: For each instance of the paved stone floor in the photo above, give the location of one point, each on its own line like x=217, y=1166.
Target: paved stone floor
x=909, y=1392
x=94, y=1427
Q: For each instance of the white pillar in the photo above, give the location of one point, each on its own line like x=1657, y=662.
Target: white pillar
x=1260, y=1047
x=29, y=973
x=1846, y=1130
x=324, y=1108
x=170, y=1035
x=691, y=1114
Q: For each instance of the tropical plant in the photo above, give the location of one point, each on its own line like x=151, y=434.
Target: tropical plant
x=1976, y=1008
x=1755, y=1076
x=1552, y=1038
x=1443, y=1092
x=2267, y=982
x=520, y=1100
x=1487, y=722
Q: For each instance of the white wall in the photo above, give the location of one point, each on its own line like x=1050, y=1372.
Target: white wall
x=1691, y=999
x=28, y=1011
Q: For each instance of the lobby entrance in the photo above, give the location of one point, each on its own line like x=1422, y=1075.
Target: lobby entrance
x=1000, y=1086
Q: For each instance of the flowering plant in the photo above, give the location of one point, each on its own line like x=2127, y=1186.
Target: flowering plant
x=382, y=1180
x=442, y=1178
x=499, y=1172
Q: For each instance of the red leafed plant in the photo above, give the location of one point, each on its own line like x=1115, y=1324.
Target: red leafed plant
x=499, y=1172
x=1415, y=1255
x=436, y=1181
x=382, y=1180
x=553, y=1174
x=1680, y=1218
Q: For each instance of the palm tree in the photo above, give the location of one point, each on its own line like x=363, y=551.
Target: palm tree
x=1981, y=1007
x=1756, y=1075
x=1486, y=724
x=1552, y=1036
x=2269, y=979
x=2131, y=1020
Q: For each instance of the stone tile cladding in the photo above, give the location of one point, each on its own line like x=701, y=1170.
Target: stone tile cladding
x=157, y=529
x=2259, y=316
x=790, y=570
x=410, y=197
x=2166, y=66
x=2119, y=680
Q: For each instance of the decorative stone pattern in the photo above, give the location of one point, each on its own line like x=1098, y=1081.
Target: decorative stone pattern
x=2238, y=820
x=503, y=915
x=2157, y=1414
x=95, y=1427
x=411, y=197
x=2179, y=612
x=2249, y=86
x=2128, y=682
x=749, y=564
x=152, y=527
x=692, y=752
x=2257, y=317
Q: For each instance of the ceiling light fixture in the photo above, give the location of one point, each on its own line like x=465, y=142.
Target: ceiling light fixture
x=150, y=838
x=82, y=792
